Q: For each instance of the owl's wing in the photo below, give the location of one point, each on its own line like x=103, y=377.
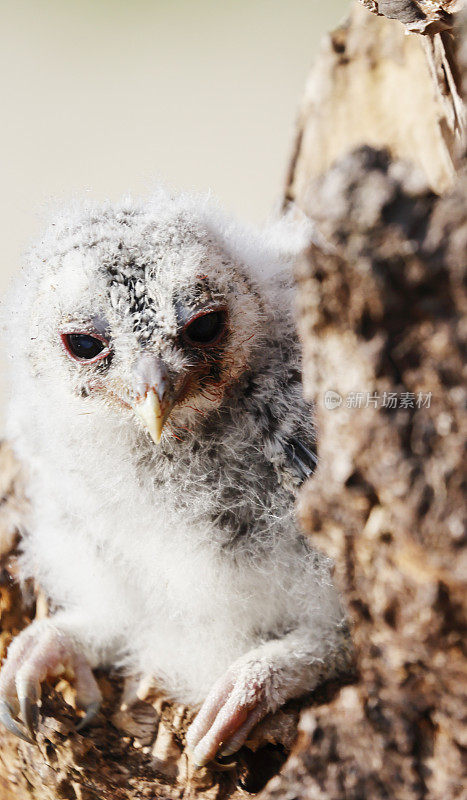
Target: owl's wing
x=285, y=419
x=289, y=436
x=300, y=458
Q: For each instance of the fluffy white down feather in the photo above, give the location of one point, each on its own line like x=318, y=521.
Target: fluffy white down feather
x=183, y=559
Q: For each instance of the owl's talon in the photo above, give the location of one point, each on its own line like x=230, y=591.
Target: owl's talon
x=221, y=766
x=90, y=712
x=6, y=718
x=39, y=652
x=232, y=745
x=30, y=715
x=232, y=727
x=227, y=716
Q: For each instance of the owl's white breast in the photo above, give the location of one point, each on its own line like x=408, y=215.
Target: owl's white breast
x=108, y=543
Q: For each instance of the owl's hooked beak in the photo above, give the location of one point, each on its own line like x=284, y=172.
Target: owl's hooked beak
x=153, y=412
x=154, y=400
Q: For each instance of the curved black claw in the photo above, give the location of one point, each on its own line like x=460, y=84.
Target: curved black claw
x=6, y=717
x=91, y=712
x=29, y=714
x=221, y=764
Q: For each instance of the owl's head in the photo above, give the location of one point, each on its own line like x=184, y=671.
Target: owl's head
x=155, y=308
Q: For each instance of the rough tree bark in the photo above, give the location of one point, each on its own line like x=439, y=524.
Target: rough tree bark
x=380, y=309
x=381, y=314
x=383, y=311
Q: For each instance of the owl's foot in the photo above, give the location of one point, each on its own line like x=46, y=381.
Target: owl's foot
x=234, y=706
x=39, y=652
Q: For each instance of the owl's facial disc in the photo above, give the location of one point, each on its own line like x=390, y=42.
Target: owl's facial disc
x=168, y=370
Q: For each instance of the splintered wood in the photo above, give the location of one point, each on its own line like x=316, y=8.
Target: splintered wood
x=419, y=16
x=374, y=85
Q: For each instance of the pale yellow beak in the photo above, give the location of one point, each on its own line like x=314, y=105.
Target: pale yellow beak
x=153, y=413
x=153, y=392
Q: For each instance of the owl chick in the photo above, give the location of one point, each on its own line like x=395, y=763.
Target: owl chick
x=156, y=405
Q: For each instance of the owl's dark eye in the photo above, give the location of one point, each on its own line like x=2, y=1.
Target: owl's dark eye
x=206, y=328
x=84, y=347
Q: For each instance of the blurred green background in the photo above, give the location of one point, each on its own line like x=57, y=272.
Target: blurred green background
x=106, y=96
